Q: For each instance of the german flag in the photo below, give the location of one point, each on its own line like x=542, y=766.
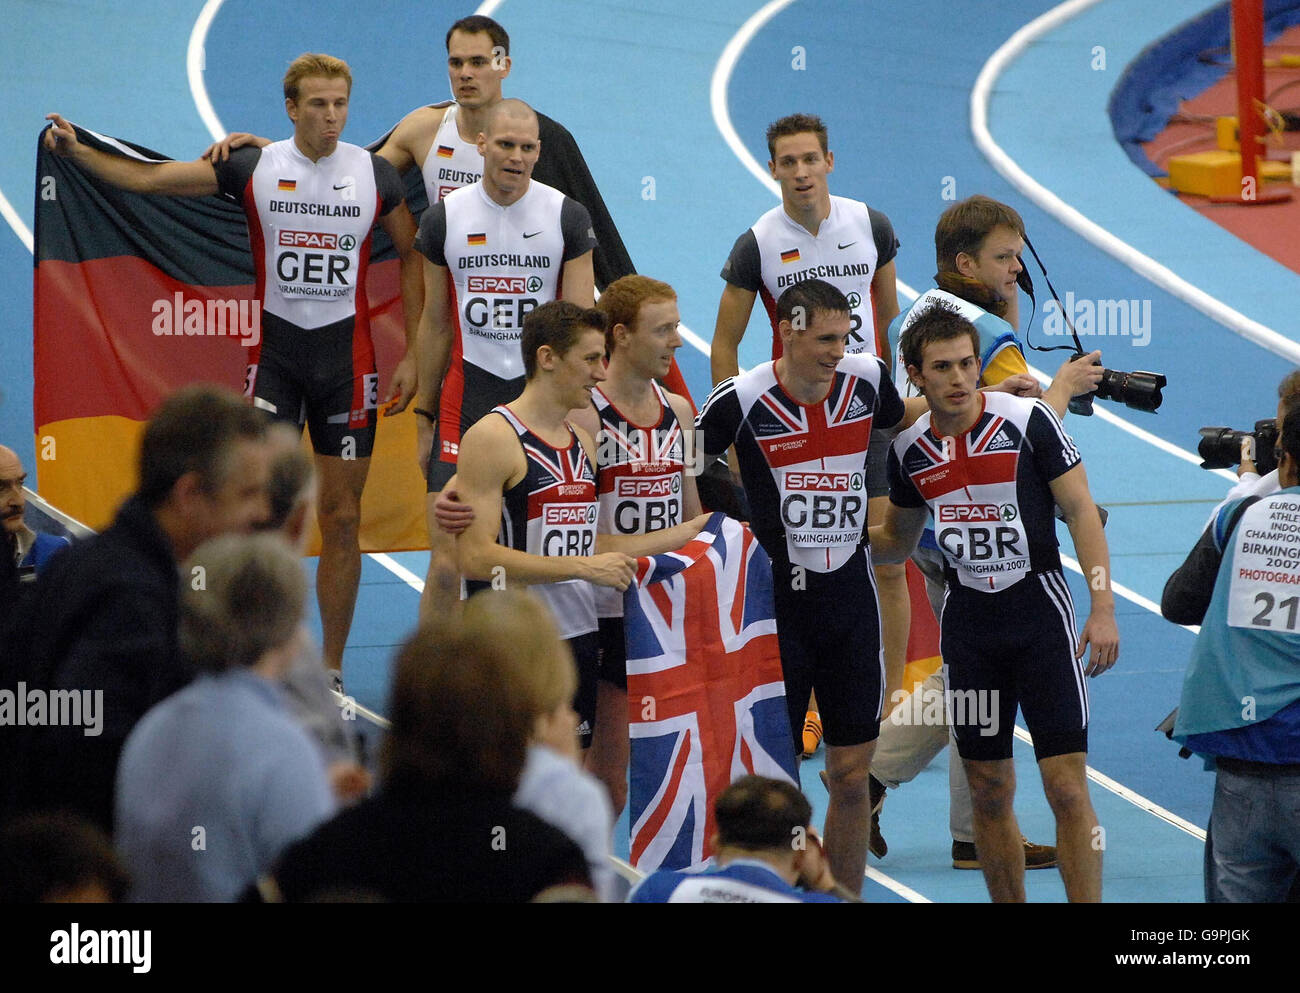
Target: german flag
x=477, y=239
x=446, y=152
x=107, y=263
x=790, y=256
x=288, y=185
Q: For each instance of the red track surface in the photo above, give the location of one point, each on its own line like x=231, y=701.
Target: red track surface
x=1271, y=228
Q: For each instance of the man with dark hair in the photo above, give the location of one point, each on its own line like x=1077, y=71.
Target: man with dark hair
x=851, y=246
x=766, y=849
x=529, y=476
x=977, y=244
x=218, y=779
x=801, y=426
x=1240, y=707
x=103, y=615
x=643, y=437
x=311, y=202
x=991, y=467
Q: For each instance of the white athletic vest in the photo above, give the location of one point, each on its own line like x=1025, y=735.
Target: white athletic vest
x=452, y=162
x=504, y=262
x=309, y=225
x=843, y=253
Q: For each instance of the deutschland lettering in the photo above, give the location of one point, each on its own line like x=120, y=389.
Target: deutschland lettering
x=824, y=272
x=517, y=261
x=318, y=209
x=457, y=176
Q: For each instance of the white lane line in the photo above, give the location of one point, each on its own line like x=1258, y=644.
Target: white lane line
x=1139, y=262
x=625, y=869
x=1126, y=593
x=889, y=883
x=718, y=90
x=399, y=570
x=344, y=700
x=196, y=63
x=14, y=221
x=1137, y=799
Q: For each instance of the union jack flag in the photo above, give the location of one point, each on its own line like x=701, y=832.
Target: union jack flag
x=706, y=700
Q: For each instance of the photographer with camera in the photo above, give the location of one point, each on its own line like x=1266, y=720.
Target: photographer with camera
x=977, y=246
x=1240, y=706
x=1250, y=451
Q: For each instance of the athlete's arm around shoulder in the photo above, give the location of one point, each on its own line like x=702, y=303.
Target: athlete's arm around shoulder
x=186, y=179
x=1070, y=491
x=490, y=462
x=411, y=140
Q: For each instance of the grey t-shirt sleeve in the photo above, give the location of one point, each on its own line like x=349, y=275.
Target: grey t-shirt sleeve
x=233, y=174
x=575, y=226
x=430, y=240
x=886, y=241
x=744, y=267
x=388, y=184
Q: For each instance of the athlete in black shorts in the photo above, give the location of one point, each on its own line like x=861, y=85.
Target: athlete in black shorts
x=991, y=467
x=311, y=203
x=802, y=426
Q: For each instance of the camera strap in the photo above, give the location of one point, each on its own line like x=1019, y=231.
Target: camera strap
x=1027, y=284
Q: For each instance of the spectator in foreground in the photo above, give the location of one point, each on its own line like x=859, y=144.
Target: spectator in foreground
x=218, y=779
x=104, y=612
x=291, y=494
x=30, y=547
x=767, y=852
x=553, y=785
x=442, y=827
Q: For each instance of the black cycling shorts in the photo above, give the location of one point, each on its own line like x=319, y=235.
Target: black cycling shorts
x=324, y=377
x=462, y=406
x=828, y=629
x=1010, y=649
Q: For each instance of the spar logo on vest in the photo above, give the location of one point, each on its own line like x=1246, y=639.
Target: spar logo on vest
x=315, y=263
x=985, y=541
x=569, y=529
x=820, y=507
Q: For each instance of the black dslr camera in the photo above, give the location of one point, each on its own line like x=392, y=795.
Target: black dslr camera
x=1136, y=390
x=1221, y=447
